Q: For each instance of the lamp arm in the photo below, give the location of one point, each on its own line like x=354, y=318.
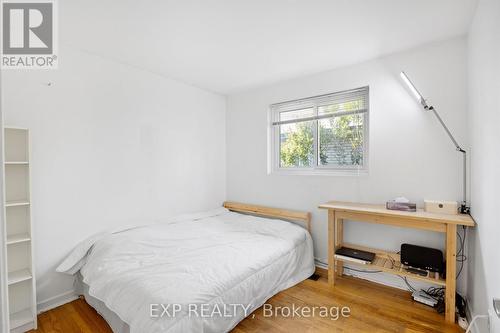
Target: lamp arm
x=431, y=108
x=464, y=208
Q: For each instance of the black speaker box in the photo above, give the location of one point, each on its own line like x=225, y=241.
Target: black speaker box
x=422, y=257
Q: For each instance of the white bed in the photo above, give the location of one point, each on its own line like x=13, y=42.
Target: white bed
x=197, y=261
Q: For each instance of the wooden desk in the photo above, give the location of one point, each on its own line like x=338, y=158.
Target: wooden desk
x=390, y=262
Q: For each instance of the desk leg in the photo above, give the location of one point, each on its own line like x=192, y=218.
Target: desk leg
x=331, y=247
x=339, y=232
x=451, y=271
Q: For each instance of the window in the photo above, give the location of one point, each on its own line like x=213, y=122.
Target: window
x=322, y=134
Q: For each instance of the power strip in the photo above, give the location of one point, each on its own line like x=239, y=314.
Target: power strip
x=421, y=297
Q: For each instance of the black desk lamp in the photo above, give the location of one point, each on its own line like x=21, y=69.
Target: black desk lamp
x=464, y=208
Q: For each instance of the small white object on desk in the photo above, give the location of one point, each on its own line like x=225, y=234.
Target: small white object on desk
x=442, y=207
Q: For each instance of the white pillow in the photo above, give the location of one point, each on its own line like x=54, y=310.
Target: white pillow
x=76, y=259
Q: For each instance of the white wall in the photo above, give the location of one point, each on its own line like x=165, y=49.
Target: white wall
x=484, y=126
x=111, y=144
x=410, y=153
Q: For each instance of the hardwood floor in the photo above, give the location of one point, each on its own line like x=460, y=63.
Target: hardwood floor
x=374, y=309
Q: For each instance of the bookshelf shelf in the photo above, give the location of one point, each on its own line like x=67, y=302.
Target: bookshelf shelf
x=19, y=276
x=20, y=318
x=15, y=203
x=17, y=163
x=18, y=238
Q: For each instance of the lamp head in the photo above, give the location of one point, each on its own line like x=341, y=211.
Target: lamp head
x=414, y=90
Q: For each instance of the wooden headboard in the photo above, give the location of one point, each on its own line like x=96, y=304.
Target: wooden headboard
x=285, y=214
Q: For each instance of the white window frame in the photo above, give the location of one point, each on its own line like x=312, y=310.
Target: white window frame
x=314, y=102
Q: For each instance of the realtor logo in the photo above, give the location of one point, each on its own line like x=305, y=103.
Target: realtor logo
x=28, y=35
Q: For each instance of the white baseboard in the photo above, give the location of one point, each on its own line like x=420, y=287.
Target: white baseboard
x=56, y=301
x=469, y=314
x=480, y=322
x=320, y=264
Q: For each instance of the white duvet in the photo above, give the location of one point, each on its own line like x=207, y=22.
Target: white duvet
x=215, y=267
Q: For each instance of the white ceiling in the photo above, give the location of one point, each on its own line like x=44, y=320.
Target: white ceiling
x=232, y=45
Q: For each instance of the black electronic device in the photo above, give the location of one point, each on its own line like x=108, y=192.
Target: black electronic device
x=422, y=257
x=418, y=271
x=355, y=255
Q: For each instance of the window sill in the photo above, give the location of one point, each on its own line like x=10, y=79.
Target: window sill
x=320, y=172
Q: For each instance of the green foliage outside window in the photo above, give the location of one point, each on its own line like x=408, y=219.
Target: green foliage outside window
x=340, y=139
x=297, y=148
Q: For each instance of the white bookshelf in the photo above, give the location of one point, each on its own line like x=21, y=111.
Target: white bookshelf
x=19, y=236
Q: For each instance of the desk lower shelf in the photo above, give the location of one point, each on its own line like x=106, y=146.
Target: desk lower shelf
x=389, y=262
